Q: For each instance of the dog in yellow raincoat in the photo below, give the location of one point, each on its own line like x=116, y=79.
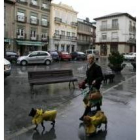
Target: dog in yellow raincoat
x=40, y=115
x=91, y=123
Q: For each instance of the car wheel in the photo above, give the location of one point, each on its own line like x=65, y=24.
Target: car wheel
x=23, y=63
x=47, y=62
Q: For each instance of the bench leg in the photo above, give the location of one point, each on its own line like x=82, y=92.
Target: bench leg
x=69, y=84
x=73, y=84
x=31, y=88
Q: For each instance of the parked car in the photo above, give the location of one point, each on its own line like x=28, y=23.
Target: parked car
x=131, y=56
x=11, y=56
x=35, y=57
x=93, y=51
x=55, y=55
x=64, y=56
x=7, y=68
x=78, y=56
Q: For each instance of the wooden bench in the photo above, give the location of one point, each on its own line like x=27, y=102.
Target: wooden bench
x=50, y=76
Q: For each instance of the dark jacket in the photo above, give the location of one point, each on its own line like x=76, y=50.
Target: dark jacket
x=94, y=73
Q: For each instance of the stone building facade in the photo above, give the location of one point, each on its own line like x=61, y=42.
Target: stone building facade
x=63, y=28
x=116, y=32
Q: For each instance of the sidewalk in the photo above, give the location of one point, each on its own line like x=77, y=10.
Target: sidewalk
x=119, y=105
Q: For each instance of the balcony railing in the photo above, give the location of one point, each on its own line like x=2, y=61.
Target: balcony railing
x=34, y=21
x=131, y=40
x=21, y=36
x=58, y=20
x=56, y=36
x=44, y=24
x=21, y=18
x=33, y=37
x=85, y=42
x=22, y=2
x=73, y=38
x=109, y=27
x=74, y=24
x=116, y=39
x=68, y=37
x=46, y=38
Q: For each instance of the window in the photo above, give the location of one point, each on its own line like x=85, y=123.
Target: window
x=44, y=36
x=33, y=33
x=68, y=33
x=20, y=32
x=114, y=23
x=62, y=47
x=20, y=16
x=33, y=19
x=104, y=36
x=130, y=26
x=57, y=32
x=34, y=2
x=57, y=47
x=45, y=6
x=42, y=54
x=62, y=32
x=73, y=34
x=114, y=35
x=104, y=24
x=33, y=54
x=44, y=22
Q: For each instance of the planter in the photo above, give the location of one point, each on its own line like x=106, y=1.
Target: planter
x=117, y=68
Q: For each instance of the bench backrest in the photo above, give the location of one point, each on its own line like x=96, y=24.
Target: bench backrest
x=49, y=74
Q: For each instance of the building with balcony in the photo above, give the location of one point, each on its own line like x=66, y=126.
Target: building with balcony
x=30, y=25
x=9, y=10
x=85, y=35
x=116, y=32
x=63, y=28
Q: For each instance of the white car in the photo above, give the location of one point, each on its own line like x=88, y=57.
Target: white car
x=7, y=68
x=34, y=57
x=94, y=52
x=130, y=56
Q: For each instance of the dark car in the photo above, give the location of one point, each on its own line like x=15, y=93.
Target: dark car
x=78, y=56
x=55, y=55
x=11, y=56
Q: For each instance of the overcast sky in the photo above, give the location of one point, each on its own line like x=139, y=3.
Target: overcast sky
x=96, y=8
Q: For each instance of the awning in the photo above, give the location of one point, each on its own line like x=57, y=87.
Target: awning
x=31, y=43
x=7, y=40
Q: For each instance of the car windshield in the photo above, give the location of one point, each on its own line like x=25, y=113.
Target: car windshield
x=89, y=52
x=11, y=53
x=65, y=53
x=54, y=53
x=80, y=52
x=132, y=54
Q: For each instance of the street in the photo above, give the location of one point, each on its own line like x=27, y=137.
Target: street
x=119, y=103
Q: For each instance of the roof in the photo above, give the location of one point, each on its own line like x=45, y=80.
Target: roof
x=64, y=6
x=116, y=15
x=84, y=21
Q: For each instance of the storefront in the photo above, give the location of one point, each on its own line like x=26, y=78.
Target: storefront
x=25, y=47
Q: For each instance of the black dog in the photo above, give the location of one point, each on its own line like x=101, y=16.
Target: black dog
x=39, y=116
x=109, y=76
